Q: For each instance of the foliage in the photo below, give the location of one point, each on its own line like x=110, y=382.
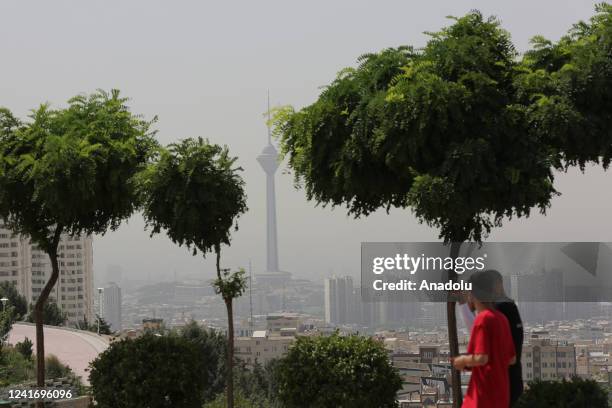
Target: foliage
x=17, y=301
x=211, y=346
x=259, y=384
x=577, y=393
x=71, y=167
x=52, y=315
x=150, y=371
x=566, y=86
x=240, y=401
x=337, y=371
x=14, y=367
x=195, y=193
x=17, y=367
x=442, y=134
x=25, y=348
x=230, y=285
x=55, y=368
x=99, y=325
x=6, y=324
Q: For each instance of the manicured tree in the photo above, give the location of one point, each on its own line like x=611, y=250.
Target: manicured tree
x=437, y=131
x=69, y=171
x=337, y=371
x=195, y=193
x=151, y=371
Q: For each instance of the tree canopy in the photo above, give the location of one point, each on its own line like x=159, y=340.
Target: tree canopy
x=52, y=315
x=195, y=193
x=71, y=167
x=463, y=131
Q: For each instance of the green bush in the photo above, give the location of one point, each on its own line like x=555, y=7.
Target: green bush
x=151, y=371
x=337, y=371
x=577, y=393
x=55, y=368
x=15, y=368
x=25, y=348
x=240, y=401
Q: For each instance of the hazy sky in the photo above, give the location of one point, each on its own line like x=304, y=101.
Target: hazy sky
x=204, y=67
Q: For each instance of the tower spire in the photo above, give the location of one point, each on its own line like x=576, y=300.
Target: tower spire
x=268, y=123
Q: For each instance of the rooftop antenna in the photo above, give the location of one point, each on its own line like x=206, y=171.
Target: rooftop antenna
x=251, y=296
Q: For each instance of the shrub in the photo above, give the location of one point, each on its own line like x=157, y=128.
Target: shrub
x=25, y=348
x=339, y=372
x=151, y=371
x=577, y=393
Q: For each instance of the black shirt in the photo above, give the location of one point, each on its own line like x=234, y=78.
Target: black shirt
x=508, y=308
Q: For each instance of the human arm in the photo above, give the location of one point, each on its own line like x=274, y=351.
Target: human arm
x=470, y=360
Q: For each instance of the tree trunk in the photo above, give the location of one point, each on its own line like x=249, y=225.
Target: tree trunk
x=453, y=341
x=39, y=309
x=230, y=353
x=230, y=337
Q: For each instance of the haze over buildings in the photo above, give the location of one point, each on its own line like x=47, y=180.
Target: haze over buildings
x=205, y=69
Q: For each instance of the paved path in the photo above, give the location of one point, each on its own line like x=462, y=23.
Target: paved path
x=74, y=348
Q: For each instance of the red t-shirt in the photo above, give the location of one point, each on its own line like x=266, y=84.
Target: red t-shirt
x=489, y=385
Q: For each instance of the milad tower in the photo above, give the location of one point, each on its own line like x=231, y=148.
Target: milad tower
x=269, y=161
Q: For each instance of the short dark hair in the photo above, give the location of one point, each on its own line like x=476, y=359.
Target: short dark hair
x=483, y=285
x=495, y=275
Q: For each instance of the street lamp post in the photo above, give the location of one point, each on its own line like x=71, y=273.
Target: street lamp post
x=99, y=308
x=3, y=300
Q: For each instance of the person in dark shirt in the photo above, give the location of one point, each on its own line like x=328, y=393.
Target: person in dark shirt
x=508, y=308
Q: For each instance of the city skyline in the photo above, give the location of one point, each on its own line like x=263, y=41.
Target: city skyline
x=191, y=72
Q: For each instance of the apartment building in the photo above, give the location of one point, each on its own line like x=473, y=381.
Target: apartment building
x=547, y=359
x=263, y=346
x=15, y=261
x=29, y=268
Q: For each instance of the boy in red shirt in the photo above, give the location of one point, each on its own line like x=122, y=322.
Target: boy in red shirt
x=490, y=350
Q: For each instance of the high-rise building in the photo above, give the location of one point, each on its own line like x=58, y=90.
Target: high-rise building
x=110, y=305
x=29, y=268
x=339, y=300
x=15, y=261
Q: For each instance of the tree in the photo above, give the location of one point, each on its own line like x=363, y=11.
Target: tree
x=576, y=393
x=99, y=325
x=462, y=132
x=6, y=324
x=18, y=302
x=195, y=193
x=52, y=315
x=337, y=371
x=69, y=171
x=151, y=371
x=212, y=346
